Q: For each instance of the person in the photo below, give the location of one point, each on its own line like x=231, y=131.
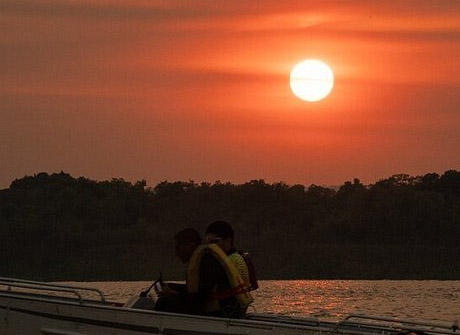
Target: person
x=213, y=287
x=172, y=297
x=222, y=234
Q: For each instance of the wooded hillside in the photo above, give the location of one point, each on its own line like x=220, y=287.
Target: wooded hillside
x=57, y=227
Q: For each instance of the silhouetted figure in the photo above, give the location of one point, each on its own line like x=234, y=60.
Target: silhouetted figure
x=211, y=287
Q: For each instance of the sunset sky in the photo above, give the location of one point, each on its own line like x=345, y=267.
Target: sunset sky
x=179, y=90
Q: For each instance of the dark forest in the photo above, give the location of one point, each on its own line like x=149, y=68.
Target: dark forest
x=57, y=227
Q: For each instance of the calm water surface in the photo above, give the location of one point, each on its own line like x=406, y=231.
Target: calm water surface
x=334, y=299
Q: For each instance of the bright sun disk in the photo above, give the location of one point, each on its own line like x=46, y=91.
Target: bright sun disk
x=311, y=80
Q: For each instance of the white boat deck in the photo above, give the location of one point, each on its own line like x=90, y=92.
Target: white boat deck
x=31, y=307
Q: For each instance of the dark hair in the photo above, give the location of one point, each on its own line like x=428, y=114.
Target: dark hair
x=188, y=235
x=222, y=229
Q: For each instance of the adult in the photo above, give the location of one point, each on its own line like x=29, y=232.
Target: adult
x=173, y=297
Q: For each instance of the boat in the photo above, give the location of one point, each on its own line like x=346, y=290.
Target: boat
x=34, y=307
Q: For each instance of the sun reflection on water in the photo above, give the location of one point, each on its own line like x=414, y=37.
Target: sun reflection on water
x=314, y=297
x=335, y=299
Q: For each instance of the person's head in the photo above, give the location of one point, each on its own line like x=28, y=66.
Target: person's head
x=221, y=233
x=185, y=243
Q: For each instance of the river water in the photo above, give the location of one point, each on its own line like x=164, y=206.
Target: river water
x=334, y=299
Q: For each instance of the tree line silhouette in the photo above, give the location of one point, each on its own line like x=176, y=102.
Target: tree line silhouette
x=57, y=227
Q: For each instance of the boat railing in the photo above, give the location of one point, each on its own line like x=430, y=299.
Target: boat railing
x=397, y=325
x=311, y=321
x=37, y=285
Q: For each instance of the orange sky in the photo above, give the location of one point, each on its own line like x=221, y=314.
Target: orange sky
x=179, y=90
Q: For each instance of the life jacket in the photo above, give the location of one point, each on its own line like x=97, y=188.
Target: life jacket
x=238, y=261
x=253, y=284
x=238, y=289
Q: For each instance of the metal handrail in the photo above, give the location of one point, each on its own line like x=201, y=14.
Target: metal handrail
x=403, y=324
x=43, y=288
x=51, y=286
x=403, y=321
x=284, y=319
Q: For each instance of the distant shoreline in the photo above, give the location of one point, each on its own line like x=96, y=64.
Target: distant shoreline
x=56, y=227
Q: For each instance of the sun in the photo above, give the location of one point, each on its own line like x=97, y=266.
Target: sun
x=311, y=80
